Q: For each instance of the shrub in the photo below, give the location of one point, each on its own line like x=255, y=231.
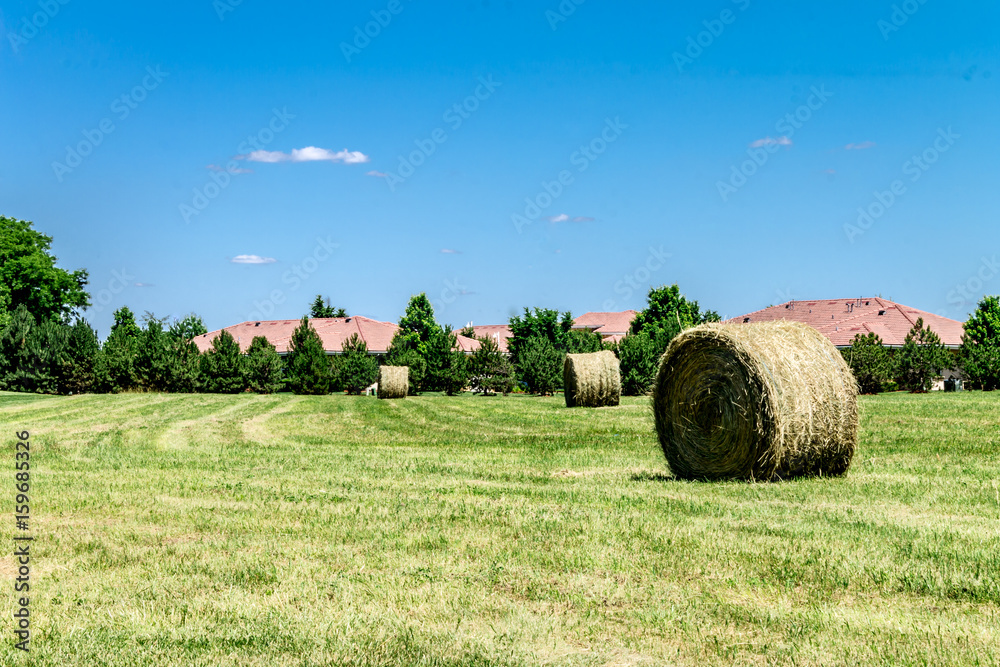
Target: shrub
x=223, y=367
x=264, y=370
x=639, y=356
x=541, y=366
x=307, y=366
x=921, y=358
x=490, y=371
x=870, y=362
x=356, y=369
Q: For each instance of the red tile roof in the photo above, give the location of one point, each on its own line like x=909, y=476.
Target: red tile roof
x=841, y=319
x=498, y=332
x=333, y=331
x=606, y=324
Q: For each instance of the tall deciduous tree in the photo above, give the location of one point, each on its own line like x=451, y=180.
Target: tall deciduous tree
x=667, y=313
x=539, y=323
x=540, y=366
x=29, y=276
x=980, y=355
x=490, y=371
x=639, y=357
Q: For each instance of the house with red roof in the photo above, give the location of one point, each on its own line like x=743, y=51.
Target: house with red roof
x=333, y=331
x=841, y=320
x=612, y=327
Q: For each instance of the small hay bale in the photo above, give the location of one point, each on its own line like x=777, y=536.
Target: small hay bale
x=592, y=380
x=393, y=381
x=765, y=401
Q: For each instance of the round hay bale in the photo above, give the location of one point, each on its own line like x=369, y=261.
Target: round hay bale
x=592, y=380
x=765, y=401
x=393, y=381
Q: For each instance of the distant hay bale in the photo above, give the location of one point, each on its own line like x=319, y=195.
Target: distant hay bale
x=763, y=401
x=393, y=381
x=592, y=380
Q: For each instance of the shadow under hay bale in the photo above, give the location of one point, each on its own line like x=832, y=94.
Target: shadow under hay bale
x=592, y=380
x=765, y=401
x=393, y=381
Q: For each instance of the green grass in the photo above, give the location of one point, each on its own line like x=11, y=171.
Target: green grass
x=266, y=530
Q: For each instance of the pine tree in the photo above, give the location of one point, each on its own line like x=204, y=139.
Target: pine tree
x=356, y=369
x=223, y=368
x=264, y=367
x=307, y=366
x=870, y=362
x=921, y=358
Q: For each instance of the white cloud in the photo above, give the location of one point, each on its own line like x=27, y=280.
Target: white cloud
x=770, y=141
x=377, y=174
x=859, y=147
x=144, y=284
x=562, y=217
x=307, y=154
x=449, y=251
x=252, y=259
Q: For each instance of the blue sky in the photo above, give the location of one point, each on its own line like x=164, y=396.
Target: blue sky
x=497, y=155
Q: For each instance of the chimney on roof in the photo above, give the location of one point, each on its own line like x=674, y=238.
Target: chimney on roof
x=745, y=320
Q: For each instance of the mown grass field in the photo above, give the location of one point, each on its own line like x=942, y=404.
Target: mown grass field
x=267, y=530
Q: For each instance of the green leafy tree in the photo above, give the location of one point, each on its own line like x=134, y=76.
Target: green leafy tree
x=29, y=276
x=921, y=358
x=224, y=368
x=980, y=354
x=583, y=340
x=32, y=353
x=356, y=369
x=187, y=328
x=490, y=371
x=307, y=367
x=639, y=359
x=667, y=313
x=447, y=363
x=540, y=323
x=264, y=370
x=870, y=362
x=541, y=365
x=78, y=368
x=115, y=366
x=323, y=308
x=418, y=331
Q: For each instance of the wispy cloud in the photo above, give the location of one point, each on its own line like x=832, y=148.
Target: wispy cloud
x=562, y=217
x=215, y=167
x=252, y=259
x=449, y=251
x=377, y=174
x=307, y=154
x=859, y=147
x=144, y=284
x=771, y=141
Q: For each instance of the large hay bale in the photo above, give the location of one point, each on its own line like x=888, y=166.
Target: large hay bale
x=592, y=380
x=763, y=401
x=393, y=381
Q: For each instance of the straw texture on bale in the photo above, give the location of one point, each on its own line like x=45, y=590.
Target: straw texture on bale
x=393, y=381
x=764, y=401
x=592, y=380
